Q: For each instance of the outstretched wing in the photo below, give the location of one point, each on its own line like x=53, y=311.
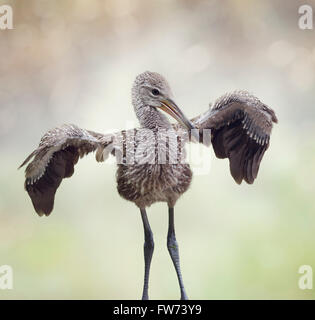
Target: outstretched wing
x=240, y=130
x=54, y=159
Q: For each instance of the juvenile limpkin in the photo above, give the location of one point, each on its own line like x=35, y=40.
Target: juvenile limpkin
x=151, y=159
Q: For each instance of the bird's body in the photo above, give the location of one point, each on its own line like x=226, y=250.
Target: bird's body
x=147, y=184
x=152, y=167
x=151, y=159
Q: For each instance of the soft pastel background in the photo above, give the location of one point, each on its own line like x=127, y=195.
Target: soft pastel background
x=74, y=62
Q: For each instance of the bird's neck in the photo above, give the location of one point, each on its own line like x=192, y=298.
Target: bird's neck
x=151, y=118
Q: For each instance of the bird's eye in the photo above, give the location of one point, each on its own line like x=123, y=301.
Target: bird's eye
x=155, y=92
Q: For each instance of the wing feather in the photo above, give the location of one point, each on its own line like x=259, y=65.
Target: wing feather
x=240, y=127
x=54, y=159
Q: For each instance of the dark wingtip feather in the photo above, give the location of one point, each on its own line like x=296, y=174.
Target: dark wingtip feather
x=218, y=144
x=44, y=208
x=238, y=180
x=43, y=201
x=42, y=192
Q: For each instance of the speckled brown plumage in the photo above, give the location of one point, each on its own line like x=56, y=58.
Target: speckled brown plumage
x=151, y=159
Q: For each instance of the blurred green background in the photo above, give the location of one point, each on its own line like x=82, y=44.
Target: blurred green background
x=74, y=62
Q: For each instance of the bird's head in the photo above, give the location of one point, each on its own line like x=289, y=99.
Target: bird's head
x=150, y=89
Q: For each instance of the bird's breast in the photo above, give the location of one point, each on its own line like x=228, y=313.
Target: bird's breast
x=155, y=182
x=151, y=166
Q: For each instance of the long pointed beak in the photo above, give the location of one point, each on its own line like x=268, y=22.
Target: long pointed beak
x=170, y=107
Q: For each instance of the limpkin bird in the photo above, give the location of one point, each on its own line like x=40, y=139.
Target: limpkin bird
x=151, y=164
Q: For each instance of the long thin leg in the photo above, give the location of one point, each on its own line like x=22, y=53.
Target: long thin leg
x=148, y=252
x=174, y=253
